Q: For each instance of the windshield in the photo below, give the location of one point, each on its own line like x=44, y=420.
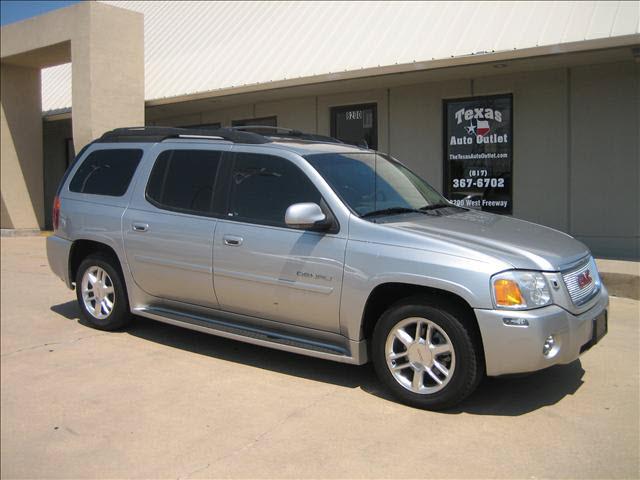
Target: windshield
x=371, y=182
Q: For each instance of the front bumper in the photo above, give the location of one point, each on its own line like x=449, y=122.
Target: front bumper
x=517, y=349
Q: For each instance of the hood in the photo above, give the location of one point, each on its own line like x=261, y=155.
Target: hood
x=523, y=244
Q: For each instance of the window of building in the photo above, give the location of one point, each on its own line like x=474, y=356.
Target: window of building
x=106, y=172
x=264, y=186
x=184, y=181
x=356, y=125
x=264, y=121
x=204, y=126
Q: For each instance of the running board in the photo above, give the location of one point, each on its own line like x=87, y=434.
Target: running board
x=256, y=336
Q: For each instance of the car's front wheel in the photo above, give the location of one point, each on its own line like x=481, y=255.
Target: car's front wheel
x=425, y=355
x=101, y=293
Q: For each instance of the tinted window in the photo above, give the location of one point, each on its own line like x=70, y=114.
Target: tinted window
x=263, y=187
x=369, y=182
x=106, y=172
x=183, y=180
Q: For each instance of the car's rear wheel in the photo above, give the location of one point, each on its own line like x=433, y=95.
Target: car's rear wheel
x=101, y=293
x=425, y=355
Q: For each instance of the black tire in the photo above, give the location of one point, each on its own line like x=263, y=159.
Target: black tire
x=469, y=364
x=120, y=314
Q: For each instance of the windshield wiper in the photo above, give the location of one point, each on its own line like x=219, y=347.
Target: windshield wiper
x=435, y=206
x=390, y=211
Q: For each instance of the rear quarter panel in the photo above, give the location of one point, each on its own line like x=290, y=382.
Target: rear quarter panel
x=97, y=217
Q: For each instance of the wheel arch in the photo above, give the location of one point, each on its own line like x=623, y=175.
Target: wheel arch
x=384, y=295
x=82, y=248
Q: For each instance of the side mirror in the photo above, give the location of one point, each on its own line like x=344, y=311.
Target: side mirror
x=306, y=216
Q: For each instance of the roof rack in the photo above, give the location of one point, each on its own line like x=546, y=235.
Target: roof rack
x=245, y=134
x=158, y=134
x=281, y=132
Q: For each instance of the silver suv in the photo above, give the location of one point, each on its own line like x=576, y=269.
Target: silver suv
x=305, y=244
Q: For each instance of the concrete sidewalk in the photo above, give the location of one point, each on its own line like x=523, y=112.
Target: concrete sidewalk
x=157, y=401
x=622, y=278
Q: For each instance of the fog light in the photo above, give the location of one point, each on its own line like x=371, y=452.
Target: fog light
x=549, y=343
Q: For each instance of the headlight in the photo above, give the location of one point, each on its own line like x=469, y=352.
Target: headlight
x=520, y=290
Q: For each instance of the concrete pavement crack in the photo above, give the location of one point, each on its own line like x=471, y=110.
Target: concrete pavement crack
x=271, y=429
x=199, y=469
x=34, y=347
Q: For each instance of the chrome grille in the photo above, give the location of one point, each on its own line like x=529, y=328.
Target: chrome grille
x=574, y=278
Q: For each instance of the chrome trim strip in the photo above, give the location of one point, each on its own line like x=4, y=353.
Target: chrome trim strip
x=280, y=282
x=580, y=296
x=171, y=263
x=204, y=325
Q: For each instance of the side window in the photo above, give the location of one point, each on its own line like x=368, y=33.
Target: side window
x=106, y=172
x=184, y=180
x=264, y=186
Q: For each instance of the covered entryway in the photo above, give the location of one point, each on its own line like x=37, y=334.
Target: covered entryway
x=105, y=45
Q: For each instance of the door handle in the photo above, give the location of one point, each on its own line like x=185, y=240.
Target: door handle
x=140, y=227
x=232, y=240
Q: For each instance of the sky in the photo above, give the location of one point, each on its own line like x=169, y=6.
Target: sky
x=16, y=10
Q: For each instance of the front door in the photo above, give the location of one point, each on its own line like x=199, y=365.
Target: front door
x=263, y=268
x=169, y=227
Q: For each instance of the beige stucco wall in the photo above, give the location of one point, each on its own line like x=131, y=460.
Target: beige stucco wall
x=107, y=64
x=605, y=156
x=575, y=141
x=105, y=45
x=21, y=151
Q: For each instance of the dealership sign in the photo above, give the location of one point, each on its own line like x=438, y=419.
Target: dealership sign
x=478, y=146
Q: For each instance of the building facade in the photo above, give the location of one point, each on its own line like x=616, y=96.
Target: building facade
x=547, y=132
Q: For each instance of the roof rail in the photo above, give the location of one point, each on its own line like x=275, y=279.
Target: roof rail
x=158, y=134
x=245, y=134
x=281, y=132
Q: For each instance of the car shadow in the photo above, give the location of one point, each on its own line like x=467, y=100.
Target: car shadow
x=502, y=396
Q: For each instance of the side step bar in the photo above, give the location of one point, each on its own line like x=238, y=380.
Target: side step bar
x=256, y=336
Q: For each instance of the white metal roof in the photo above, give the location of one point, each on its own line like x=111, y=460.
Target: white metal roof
x=193, y=47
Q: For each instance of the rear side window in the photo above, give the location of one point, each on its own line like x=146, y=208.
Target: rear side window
x=184, y=181
x=106, y=172
x=264, y=186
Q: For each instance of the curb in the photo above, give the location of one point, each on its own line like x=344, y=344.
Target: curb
x=20, y=232
x=622, y=278
x=622, y=284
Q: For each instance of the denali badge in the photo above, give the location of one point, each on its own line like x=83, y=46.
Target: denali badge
x=584, y=279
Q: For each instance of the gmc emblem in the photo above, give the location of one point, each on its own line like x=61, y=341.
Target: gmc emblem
x=584, y=279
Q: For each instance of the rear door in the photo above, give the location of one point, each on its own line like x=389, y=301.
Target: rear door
x=169, y=226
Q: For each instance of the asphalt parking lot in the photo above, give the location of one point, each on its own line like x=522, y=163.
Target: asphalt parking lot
x=157, y=401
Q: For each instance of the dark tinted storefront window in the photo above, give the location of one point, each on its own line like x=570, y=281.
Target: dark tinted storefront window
x=264, y=121
x=183, y=180
x=263, y=187
x=356, y=125
x=106, y=172
x=204, y=126
x=478, y=152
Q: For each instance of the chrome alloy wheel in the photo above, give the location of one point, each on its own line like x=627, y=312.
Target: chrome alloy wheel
x=97, y=292
x=420, y=355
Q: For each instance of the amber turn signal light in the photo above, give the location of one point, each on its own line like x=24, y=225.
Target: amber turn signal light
x=507, y=293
